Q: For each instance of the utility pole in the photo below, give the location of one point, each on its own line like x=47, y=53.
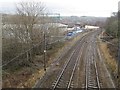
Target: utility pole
x=44, y=62
x=44, y=52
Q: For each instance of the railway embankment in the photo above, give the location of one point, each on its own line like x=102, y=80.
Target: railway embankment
x=109, y=53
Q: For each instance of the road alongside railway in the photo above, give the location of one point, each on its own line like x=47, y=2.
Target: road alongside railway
x=80, y=67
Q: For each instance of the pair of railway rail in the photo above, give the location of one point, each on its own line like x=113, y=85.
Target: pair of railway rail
x=92, y=75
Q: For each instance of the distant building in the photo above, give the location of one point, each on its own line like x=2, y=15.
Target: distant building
x=91, y=27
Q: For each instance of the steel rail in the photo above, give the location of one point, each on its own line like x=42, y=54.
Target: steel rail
x=96, y=70
x=63, y=71
x=75, y=66
x=88, y=69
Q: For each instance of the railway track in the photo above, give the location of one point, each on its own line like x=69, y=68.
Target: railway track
x=91, y=79
x=64, y=80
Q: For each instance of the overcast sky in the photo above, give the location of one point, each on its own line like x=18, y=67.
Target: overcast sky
x=97, y=8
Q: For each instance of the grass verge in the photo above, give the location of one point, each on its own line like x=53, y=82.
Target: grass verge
x=109, y=60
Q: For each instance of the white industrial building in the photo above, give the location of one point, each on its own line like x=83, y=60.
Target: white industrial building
x=91, y=27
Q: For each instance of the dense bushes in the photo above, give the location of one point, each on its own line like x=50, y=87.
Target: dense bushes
x=112, y=26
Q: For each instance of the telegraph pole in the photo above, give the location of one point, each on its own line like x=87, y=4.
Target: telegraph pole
x=44, y=52
x=44, y=62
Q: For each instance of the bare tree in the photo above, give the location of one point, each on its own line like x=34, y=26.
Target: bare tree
x=30, y=14
x=21, y=30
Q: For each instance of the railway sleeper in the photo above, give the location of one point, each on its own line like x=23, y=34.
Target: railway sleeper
x=92, y=87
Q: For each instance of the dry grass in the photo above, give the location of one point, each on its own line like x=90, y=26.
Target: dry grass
x=31, y=81
x=109, y=60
